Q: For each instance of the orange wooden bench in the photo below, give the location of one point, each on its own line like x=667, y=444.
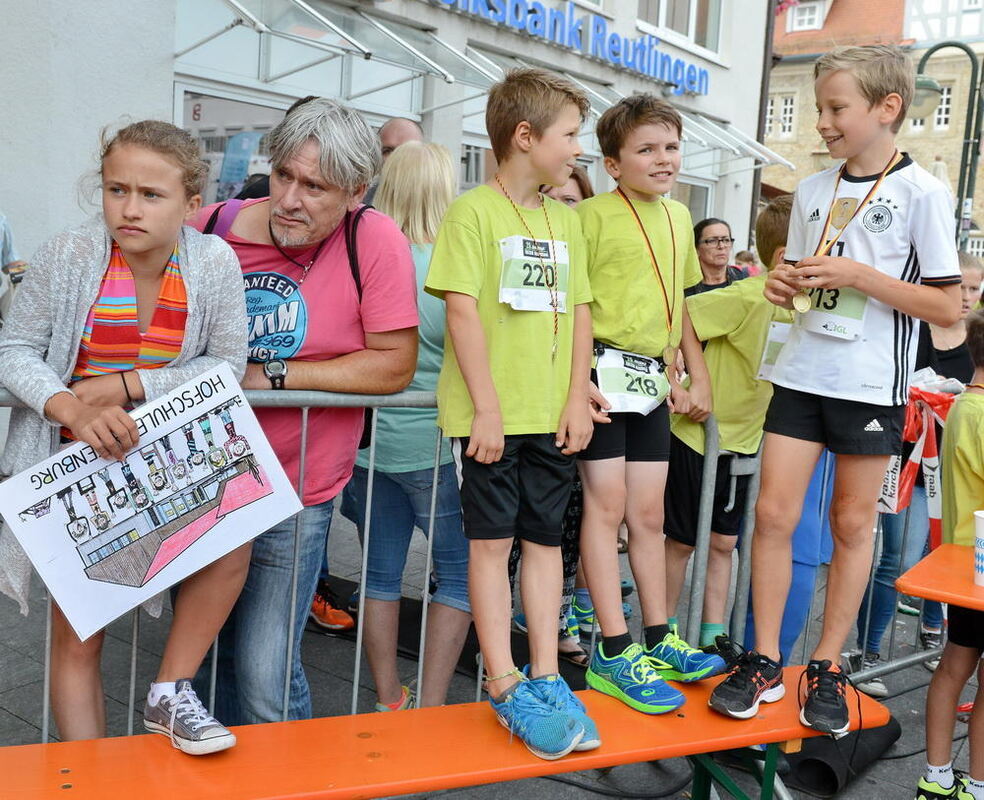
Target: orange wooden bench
x=377, y=755
x=947, y=575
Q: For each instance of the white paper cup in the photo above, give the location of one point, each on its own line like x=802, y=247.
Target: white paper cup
x=979, y=548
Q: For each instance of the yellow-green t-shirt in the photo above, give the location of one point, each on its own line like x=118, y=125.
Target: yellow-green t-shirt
x=734, y=321
x=628, y=310
x=962, y=469
x=468, y=258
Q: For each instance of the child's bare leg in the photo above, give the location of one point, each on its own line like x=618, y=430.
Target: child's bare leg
x=604, y=509
x=76, y=681
x=447, y=628
x=491, y=604
x=644, y=484
x=718, y=578
x=540, y=584
x=976, y=728
x=677, y=557
x=956, y=666
x=852, y=521
x=380, y=629
x=787, y=466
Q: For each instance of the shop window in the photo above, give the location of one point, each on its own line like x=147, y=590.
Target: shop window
x=694, y=196
x=916, y=125
x=696, y=20
x=472, y=166
x=786, y=115
x=806, y=16
x=770, y=112
x=941, y=119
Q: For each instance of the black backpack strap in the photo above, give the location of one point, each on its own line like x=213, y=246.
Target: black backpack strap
x=351, y=245
x=210, y=225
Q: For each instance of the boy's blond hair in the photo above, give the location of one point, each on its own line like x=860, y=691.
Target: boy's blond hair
x=416, y=187
x=527, y=95
x=878, y=69
x=629, y=113
x=772, y=228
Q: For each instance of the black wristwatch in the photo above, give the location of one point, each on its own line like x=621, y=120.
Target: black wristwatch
x=276, y=372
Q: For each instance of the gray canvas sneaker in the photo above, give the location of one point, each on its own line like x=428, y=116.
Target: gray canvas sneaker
x=184, y=719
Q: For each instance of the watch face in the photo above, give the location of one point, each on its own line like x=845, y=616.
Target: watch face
x=216, y=457
x=275, y=369
x=180, y=470
x=158, y=480
x=101, y=519
x=197, y=458
x=140, y=499
x=237, y=447
x=118, y=499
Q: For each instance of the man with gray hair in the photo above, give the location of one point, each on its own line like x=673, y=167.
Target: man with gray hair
x=316, y=322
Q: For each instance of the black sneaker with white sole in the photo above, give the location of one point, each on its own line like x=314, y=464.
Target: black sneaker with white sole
x=825, y=706
x=753, y=679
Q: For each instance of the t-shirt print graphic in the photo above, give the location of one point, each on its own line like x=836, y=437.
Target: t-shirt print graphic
x=278, y=316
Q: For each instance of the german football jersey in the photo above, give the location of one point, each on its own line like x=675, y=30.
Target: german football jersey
x=849, y=345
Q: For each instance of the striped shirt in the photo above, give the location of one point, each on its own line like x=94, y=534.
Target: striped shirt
x=112, y=340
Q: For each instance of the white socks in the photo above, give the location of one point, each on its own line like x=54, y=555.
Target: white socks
x=976, y=788
x=166, y=689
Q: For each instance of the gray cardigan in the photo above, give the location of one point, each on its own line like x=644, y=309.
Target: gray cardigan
x=39, y=344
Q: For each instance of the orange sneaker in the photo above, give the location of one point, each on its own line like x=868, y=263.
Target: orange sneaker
x=326, y=611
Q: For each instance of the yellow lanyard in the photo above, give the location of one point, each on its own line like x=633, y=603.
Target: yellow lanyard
x=823, y=246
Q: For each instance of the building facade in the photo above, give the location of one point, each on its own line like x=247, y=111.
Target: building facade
x=227, y=69
x=812, y=27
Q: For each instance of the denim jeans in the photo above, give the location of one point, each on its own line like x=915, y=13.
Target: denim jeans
x=253, y=642
x=889, y=568
x=400, y=501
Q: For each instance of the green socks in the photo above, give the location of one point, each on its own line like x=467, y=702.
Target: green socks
x=708, y=631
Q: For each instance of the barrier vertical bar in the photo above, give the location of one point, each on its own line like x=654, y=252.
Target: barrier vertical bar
x=739, y=611
x=131, y=698
x=366, y=527
x=702, y=545
x=292, y=618
x=427, y=567
x=213, y=673
x=478, y=680
x=46, y=699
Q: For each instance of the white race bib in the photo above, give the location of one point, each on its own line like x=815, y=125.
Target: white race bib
x=534, y=270
x=631, y=382
x=836, y=312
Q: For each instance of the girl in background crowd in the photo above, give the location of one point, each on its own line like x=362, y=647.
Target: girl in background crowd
x=577, y=188
x=415, y=189
x=120, y=310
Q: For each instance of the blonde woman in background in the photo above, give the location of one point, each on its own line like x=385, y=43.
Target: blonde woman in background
x=416, y=186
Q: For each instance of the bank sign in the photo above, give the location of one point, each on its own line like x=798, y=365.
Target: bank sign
x=589, y=35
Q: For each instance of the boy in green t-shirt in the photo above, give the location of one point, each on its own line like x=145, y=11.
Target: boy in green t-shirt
x=962, y=481
x=734, y=321
x=513, y=391
x=641, y=256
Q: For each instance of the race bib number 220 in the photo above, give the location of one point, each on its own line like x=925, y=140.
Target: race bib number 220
x=535, y=274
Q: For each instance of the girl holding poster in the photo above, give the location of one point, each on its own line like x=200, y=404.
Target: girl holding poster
x=122, y=309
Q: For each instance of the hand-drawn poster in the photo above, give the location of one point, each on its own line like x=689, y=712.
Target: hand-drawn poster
x=107, y=535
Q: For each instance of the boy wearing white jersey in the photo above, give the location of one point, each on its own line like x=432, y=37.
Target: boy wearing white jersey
x=870, y=252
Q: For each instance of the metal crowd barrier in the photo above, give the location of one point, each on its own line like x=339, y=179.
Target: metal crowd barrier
x=306, y=400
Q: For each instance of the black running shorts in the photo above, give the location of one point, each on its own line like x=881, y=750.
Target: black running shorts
x=965, y=627
x=846, y=427
x=683, y=489
x=523, y=494
x=632, y=436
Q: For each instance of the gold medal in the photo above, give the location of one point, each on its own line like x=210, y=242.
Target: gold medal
x=843, y=211
x=669, y=354
x=802, y=302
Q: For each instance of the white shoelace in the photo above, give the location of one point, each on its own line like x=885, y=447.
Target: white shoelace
x=193, y=713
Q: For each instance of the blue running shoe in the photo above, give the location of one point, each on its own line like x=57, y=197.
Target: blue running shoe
x=573, y=629
x=676, y=660
x=585, y=617
x=519, y=620
x=546, y=732
x=630, y=677
x=554, y=691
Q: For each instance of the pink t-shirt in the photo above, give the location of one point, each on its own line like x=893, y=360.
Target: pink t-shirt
x=319, y=320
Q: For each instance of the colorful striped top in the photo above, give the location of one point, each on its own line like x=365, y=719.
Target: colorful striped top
x=112, y=341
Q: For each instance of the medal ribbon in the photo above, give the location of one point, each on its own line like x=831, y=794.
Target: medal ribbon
x=823, y=246
x=667, y=303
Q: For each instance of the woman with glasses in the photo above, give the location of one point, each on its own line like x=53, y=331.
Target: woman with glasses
x=713, y=239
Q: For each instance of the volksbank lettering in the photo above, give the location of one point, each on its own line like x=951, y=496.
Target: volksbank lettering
x=590, y=35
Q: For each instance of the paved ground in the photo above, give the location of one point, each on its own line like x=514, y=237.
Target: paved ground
x=330, y=663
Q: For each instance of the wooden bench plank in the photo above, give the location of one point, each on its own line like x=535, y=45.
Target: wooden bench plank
x=947, y=575
x=373, y=755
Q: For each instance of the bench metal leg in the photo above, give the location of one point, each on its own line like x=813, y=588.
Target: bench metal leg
x=707, y=772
